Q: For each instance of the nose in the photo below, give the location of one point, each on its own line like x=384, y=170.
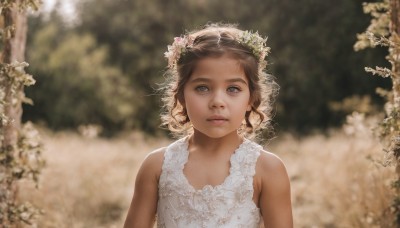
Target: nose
x=217, y=100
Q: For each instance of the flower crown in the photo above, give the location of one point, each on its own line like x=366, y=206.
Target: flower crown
x=253, y=41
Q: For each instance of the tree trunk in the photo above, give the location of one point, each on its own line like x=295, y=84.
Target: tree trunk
x=14, y=50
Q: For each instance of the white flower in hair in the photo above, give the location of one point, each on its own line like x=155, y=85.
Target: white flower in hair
x=177, y=49
x=252, y=41
x=257, y=44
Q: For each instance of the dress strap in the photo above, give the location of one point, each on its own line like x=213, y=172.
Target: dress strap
x=246, y=158
x=174, y=158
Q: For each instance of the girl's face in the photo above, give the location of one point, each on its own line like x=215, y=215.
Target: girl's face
x=217, y=96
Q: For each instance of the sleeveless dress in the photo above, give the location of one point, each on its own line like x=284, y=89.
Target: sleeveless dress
x=229, y=204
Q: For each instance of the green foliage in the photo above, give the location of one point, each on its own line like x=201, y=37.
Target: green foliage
x=76, y=85
x=312, y=59
x=314, y=63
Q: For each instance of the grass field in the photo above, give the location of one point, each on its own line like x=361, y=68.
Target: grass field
x=336, y=179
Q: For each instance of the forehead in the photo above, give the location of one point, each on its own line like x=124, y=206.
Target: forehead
x=218, y=68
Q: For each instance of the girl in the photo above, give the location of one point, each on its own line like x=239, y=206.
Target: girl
x=218, y=97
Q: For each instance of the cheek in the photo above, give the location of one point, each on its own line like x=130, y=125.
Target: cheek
x=242, y=106
x=189, y=101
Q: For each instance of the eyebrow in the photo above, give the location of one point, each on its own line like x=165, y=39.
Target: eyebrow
x=240, y=80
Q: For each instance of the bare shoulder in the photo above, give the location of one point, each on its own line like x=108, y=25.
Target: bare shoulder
x=152, y=163
x=270, y=162
x=156, y=156
x=271, y=169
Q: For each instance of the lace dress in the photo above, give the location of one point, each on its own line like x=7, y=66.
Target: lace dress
x=229, y=204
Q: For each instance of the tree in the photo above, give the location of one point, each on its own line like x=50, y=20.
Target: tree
x=76, y=85
x=19, y=147
x=384, y=30
x=311, y=59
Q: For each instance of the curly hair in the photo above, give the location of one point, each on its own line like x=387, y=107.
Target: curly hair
x=216, y=40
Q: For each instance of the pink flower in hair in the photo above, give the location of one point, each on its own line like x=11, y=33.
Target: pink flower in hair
x=177, y=49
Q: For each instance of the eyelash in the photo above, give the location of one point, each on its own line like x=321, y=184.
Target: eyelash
x=203, y=89
x=236, y=88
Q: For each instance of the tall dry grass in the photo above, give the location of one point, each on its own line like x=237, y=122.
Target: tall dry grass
x=88, y=182
x=336, y=181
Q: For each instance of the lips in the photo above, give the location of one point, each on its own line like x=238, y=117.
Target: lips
x=217, y=119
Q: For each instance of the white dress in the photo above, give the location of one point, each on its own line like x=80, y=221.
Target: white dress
x=229, y=204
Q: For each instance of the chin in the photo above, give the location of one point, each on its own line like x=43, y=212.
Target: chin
x=217, y=134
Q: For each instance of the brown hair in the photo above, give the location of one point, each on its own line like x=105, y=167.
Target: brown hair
x=216, y=40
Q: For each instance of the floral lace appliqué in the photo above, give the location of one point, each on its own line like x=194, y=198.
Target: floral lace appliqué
x=229, y=204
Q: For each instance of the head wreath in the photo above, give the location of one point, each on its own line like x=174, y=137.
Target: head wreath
x=251, y=40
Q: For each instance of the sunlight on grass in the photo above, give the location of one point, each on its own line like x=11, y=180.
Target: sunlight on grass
x=88, y=182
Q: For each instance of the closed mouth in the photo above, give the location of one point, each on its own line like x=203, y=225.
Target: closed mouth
x=217, y=118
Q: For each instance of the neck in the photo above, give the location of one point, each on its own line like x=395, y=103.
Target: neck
x=200, y=141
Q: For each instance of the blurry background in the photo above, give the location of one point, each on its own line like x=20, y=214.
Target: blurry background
x=98, y=64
